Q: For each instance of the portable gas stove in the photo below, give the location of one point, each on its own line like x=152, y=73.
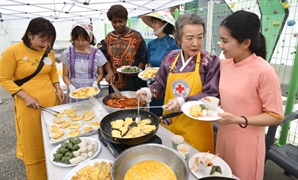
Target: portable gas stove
x=117, y=149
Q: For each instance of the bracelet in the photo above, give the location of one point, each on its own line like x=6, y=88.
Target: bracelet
x=246, y=122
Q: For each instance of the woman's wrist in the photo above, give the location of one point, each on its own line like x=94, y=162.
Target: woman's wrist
x=245, y=123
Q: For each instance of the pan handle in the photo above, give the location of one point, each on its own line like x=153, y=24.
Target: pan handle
x=170, y=115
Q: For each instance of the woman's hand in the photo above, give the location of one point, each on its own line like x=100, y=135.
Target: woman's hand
x=145, y=94
x=110, y=77
x=31, y=102
x=174, y=105
x=60, y=95
x=228, y=118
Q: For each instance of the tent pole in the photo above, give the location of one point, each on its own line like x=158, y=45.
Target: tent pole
x=209, y=25
x=293, y=85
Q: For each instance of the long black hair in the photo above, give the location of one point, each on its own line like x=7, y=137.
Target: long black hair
x=246, y=25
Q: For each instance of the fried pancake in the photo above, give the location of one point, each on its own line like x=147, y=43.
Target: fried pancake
x=67, y=111
x=96, y=123
x=87, y=113
x=129, y=135
x=59, y=115
x=75, y=126
x=116, y=133
x=88, y=118
x=139, y=134
x=145, y=121
x=54, y=128
x=128, y=121
x=58, y=121
x=72, y=114
x=134, y=130
x=87, y=129
x=58, y=134
x=148, y=128
x=65, y=124
x=195, y=110
x=123, y=129
x=117, y=124
x=74, y=133
x=77, y=118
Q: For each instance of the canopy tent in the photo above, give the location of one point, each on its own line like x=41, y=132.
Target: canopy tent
x=77, y=10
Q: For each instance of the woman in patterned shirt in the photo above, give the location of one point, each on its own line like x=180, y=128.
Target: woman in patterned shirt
x=124, y=47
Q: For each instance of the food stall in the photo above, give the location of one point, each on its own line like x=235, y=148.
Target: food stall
x=55, y=172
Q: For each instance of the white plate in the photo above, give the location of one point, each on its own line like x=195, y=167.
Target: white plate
x=83, y=97
x=69, y=165
x=77, y=168
x=186, y=107
x=217, y=161
x=120, y=70
x=146, y=79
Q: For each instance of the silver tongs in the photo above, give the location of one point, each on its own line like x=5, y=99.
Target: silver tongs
x=49, y=110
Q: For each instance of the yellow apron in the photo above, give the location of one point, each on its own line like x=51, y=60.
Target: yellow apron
x=199, y=134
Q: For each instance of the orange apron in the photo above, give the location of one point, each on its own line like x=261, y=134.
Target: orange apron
x=199, y=134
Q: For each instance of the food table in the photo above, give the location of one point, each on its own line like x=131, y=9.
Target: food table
x=58, y=173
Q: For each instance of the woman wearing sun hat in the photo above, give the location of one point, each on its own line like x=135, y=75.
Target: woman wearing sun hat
x=163, y=24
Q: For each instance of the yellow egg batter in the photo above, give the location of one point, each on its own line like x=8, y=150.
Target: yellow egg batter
x=150, y=170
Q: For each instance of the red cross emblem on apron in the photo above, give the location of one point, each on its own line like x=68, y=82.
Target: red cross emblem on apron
x=180, y=88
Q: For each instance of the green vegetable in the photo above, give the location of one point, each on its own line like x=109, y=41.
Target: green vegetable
x=78, y=140
x=69, y=146
x=66, y=160
x=62, y=150
x=57, y=157
x=75, y=147
x=64, y=144
x=218, y=169
x=202, y=106
x=215, y=169
x=130, y=69
x=72, y=140
x=69, y=154
x=62, y=160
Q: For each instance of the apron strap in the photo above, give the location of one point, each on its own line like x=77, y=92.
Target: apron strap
x=198, y=61
x=174, y=63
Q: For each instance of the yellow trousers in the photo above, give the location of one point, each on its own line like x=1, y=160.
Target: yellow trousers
x=36, y=171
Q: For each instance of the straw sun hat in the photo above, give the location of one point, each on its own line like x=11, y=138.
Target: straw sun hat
x=163, y=15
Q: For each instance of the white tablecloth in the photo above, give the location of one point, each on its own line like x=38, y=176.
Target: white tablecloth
x=58, y=173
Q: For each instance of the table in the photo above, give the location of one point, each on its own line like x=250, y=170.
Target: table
x=58, y=173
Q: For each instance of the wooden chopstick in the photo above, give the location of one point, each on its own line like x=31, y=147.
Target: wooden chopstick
x=199, y=160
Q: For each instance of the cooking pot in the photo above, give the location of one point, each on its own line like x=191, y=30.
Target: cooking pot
x=106, y=129
x=150, y=151
x=129, y=94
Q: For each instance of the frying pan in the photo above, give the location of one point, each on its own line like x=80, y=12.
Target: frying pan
x=106, y=129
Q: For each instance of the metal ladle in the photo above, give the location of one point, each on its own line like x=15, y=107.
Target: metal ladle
x=138, y=118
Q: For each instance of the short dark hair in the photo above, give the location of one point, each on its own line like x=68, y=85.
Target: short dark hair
x=117, y=11
x=246, y=25
x=41, y=27
x=79, y=31
x=187, y=18
x=169, y=29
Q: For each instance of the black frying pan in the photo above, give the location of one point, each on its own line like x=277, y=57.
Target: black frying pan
x=106, y=129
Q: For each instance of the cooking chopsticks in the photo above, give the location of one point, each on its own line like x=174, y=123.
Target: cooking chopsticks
x=49, y=110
